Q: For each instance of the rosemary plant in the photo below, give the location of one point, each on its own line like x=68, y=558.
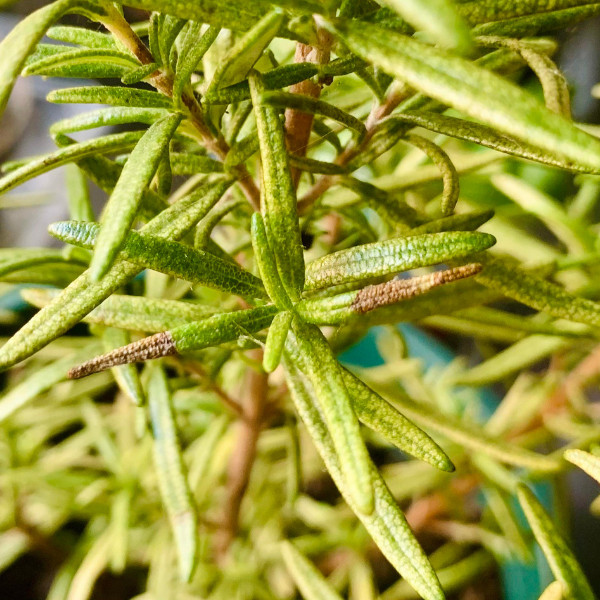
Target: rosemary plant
x=271, y=184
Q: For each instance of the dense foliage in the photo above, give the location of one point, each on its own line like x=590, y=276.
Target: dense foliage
x=276, y=165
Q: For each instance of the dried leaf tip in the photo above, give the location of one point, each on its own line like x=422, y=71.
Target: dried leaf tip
x=155, y=346
x=390, y=292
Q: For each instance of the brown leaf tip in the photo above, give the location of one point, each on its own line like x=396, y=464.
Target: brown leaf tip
x=155, y=346
x=390, y=292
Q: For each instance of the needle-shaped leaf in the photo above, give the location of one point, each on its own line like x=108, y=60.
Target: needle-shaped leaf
x=97, y=63
x=386, y=524
x=279, y=196
x=211, y=331
x=82, y=36
x=239, y=16
x=191, y=164
x=135, y=313
x=194, y=46
x=315, y=107
x=520, y=355
x=473, y=90
x=446, y=167
x=276, y=337
x=113, y=95
x=563, y=564
x=471, y=437
x=171, y=472
x=22, y=258
x=385, y=419
x=78, y=194
x=439, y=18
x=587, y=462
x=392, y=256
x=82, y=296
x=108, y=117
x=241, y=57
x=538, y=293
x=274, y=79
x=121, y=209
x=470, y=131
x=325, y=376
x=267, y=265
x=309, y=580
x=22, y=40
x=126, y=376
x=109, y=143
x=172, y=258
x=528, y=25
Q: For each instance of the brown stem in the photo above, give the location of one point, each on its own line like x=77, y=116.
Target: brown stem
x=163, y=82
x=379, y=112
x=227, y=400
x=298, y=124
x=242, y=459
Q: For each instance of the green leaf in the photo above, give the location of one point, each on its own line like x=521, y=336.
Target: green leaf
x=171, y=472
x=22, y=40
x=382, y=417
x=42, y=380
x=80, y=206
x=537, y=293
x=274, y=79
x=449, y=174
x=585, y=461
x=276, y=337
x=392, y=256
x=495, y=10
x=131, y=312
x=386, y=524
x=120, y=211
x=471, y=437
x=139, y=74
x=191, y=164
x=113, y=95
x=522, y=354
x=172, y=258
x=279, y=196
x=82, y=296
x=94, y=63
x=108, y=117
x=267, y=265
x=235, y=15
x=108, y=143
x=15, y=259
x=324, y=372
x=484, y=136
x=221, y=328
x=473, y=90
x=81, y=36
x=438, y=18
x=563, y=564
x=315, y=107
x=194, y=46
x=310, y=581
x=453, y=577
x=468, y=221
x=541, y=22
